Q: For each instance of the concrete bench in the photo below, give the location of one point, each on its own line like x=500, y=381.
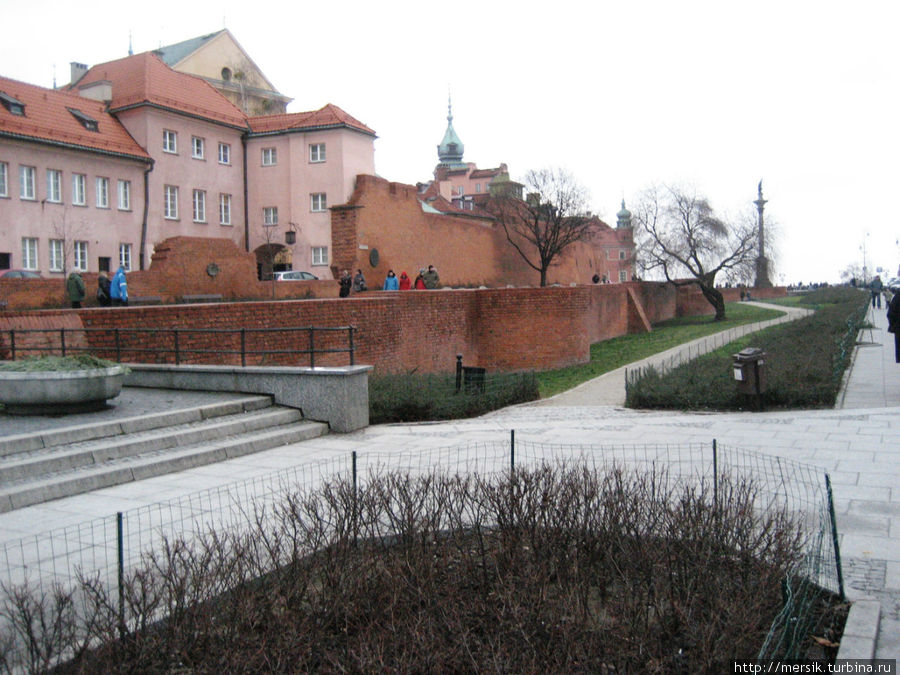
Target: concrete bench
x=202, y=297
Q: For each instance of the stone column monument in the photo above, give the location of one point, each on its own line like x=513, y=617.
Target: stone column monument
x=762, y=263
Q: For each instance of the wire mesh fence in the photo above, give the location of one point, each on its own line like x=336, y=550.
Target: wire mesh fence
x=106, y=549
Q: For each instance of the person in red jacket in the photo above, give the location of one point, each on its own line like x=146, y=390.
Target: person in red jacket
x=419, y=284
x=405, y=283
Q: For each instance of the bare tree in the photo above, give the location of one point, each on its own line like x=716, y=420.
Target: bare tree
x=67, y=232
x=680, y=236
x=553, y=216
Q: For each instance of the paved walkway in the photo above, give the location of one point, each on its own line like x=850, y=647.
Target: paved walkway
x=858, y=444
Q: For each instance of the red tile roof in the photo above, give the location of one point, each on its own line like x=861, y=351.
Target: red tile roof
x=327, y=117
x=47, y=118
x=145, y=79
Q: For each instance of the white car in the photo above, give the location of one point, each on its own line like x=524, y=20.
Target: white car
x=294, y=275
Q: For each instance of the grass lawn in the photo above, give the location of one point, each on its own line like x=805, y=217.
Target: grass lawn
x=611, y=354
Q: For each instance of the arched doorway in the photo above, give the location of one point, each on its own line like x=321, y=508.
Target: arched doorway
x=271, y=258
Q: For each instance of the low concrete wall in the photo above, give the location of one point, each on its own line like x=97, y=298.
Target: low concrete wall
x=338, y=396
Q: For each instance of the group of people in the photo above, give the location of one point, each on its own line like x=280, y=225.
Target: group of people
x=426, y=279
x=110, y=292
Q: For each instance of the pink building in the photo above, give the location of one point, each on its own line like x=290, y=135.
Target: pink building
x=151, y=153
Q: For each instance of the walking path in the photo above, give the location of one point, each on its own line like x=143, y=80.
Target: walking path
x=857, y=443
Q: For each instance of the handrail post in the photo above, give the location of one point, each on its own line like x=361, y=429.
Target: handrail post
x=243, y=347
x=12, y=343
x=177, y=352
x=62, y=341
x=352, y=355
x=118, y=346
x=312, y=347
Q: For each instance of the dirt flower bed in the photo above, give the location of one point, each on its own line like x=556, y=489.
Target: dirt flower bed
x=556, y=570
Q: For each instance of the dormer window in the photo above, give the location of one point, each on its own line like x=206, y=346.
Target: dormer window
x=87, y=121
x=15, y=106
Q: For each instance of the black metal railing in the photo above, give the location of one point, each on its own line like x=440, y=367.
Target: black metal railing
x=254, y=346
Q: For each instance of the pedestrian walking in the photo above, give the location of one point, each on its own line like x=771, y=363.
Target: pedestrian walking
x=346, y=282
x=103, y=290
x=432, y=280
x=893, y=315
x=390, y=282
x=419, y=283
x=877, y=288
x=118, y=288
x=75, y=289
x=405, y=283
x=359, y=282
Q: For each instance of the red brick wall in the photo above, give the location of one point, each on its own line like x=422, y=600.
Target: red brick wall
x=466, y=251
x=423, y=331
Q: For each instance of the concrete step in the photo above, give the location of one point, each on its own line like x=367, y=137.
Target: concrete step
x=10, y=445
x=35, y=463
x=152, y=462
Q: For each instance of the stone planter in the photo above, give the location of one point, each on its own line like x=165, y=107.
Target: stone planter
x=55, y=392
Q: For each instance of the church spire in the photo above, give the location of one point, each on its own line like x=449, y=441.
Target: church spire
x=450, y=151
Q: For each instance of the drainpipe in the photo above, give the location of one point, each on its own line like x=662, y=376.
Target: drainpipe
x=146, y=210
x=246, y=205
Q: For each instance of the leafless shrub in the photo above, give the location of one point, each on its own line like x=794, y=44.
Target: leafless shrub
x=556, y=569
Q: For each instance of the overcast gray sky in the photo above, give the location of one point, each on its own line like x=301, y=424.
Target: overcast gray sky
x=715, y=95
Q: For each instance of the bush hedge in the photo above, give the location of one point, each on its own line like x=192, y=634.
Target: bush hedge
x=805, y=361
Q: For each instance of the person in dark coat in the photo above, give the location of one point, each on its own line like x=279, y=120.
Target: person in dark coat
x=359, y=282
x=103, y=290
x=345, y=281
x=432, y=280
x=75, y=289
x=893, y=315
x=877, y=287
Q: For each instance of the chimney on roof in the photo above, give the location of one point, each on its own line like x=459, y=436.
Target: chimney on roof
x=77, y=71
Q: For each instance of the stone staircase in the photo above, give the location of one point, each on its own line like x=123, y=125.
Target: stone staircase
x=40, y=467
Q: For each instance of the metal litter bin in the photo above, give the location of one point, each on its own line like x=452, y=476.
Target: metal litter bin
x=750, y=371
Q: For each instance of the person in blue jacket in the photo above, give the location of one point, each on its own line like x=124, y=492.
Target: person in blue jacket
x=391, y=283
x=118, y=288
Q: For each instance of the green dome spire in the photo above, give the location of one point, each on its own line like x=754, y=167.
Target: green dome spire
x=450, y=151
x=623, y=217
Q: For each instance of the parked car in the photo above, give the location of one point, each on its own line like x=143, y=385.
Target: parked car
x=893, y=284
x=20, y=274
x=294, y=275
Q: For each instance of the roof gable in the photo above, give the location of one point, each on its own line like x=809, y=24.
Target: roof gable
x=49, y=117
x=144, y=79
x=327, y=117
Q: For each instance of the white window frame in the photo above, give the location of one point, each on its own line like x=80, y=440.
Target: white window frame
x=26, y=182
x=54, y=186
x=29, y=253
x=270, y=215
x=316, y=153
x=269, y=156
x=102, y=196
x=170, y=202
x=224, y=153
x=79, y=189
x=170, y=141
x=198, y=201
x=318, y=202
x=80, y=256
x=319, y=255
x=224, y=209
x=124, y=195
x=622, y=254
x=125, y=256
x=198, y=147
x=4, y=179
x=57, y=255
x=623, y=275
